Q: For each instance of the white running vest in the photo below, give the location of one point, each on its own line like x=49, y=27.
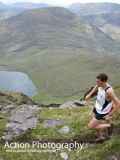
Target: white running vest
x=102, y=105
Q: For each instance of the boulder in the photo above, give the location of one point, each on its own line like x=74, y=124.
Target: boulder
x=52, y=123
x=72, y=104
x=64, y=130
x=21, y=119
x=64, y=155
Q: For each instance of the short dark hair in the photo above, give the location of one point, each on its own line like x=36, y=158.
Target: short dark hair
x=103, y=77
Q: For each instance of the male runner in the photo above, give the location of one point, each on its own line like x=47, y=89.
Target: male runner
x=106, y=104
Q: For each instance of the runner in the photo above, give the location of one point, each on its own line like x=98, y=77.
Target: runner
x=106, y=104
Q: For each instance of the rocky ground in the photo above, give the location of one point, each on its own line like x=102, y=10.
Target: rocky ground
x=24, y=121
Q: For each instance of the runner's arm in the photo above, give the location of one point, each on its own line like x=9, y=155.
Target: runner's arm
x=89, y=95
x=114, y=99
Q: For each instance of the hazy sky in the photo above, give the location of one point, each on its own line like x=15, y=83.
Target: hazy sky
x=59, y=2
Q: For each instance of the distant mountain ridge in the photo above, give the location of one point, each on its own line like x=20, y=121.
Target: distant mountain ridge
x=105, y=16
x=29, y=5
x=10, y=10
x=23, y=5
x=94, y=8
x=55, y=23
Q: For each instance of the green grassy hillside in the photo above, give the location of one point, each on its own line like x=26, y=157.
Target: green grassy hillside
x=77, y=120
x=59, y=51
x=65, y=74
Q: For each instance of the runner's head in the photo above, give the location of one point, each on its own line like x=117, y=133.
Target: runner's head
x=101, y=79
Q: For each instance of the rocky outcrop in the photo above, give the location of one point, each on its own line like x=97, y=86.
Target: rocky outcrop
x=20, y=120
x=72, y=104
x=14, y=98
x=23, y=112
x=52, y=123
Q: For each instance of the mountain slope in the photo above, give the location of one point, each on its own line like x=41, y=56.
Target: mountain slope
x=94, y=8
x=54, y=46
x=109, y=23
x=52, y=27
x=105, y=16
x=10, y=10
x=6, y=11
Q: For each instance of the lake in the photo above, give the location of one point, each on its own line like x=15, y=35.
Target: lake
x=17, y=82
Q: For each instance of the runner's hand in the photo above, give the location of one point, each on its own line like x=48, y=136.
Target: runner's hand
x=108, y=117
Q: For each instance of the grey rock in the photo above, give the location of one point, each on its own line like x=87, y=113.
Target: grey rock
x=64, y=155
x=22, y=114
x=22, y=119
x=72, y=104
x=113, y=157
x=7, y=108
x=64, y=130
x=52, y=123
